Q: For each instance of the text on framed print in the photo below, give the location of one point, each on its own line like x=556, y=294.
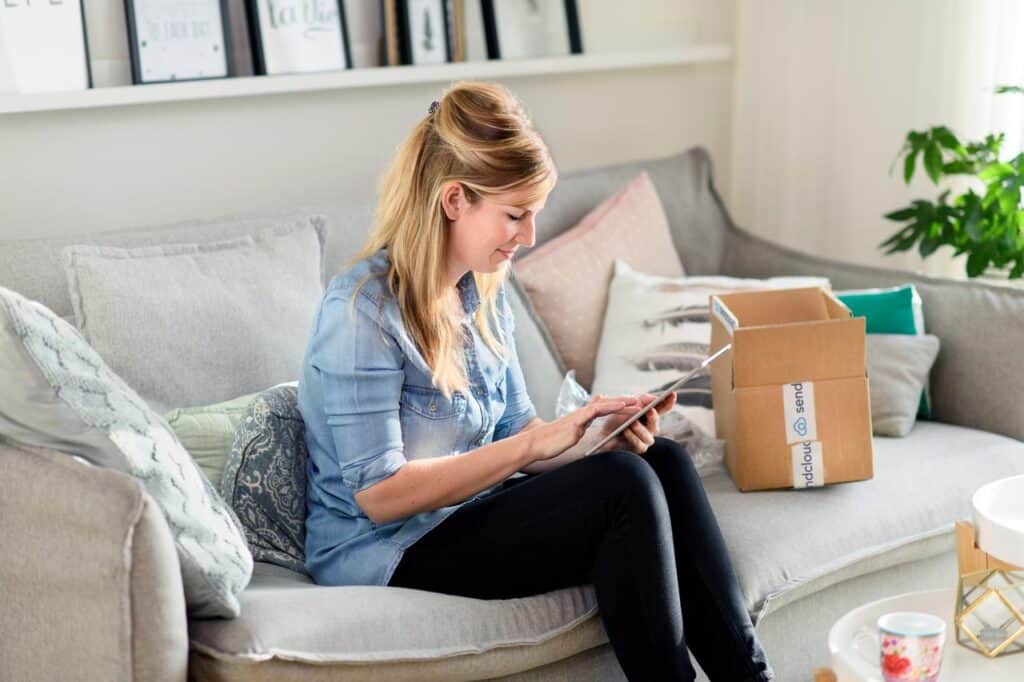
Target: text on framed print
x=295, y=36
x=176, y=40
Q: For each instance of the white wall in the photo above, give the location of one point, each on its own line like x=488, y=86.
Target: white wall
x=825, y=93
x=75, y=171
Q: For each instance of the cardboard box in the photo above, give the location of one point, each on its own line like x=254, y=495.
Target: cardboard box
x=791, y=396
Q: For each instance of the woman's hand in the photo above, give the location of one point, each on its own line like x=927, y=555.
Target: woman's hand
x=640, y=434
x=551, y=439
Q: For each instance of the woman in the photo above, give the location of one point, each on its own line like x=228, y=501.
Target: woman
x=417, y=415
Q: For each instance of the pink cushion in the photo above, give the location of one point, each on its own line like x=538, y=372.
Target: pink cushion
x=567, y=277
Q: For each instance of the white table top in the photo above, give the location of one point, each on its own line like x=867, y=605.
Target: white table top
x=959, y=664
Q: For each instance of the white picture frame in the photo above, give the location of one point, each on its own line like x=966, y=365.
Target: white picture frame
x=298, y=36
x=178, y=40
x=43, y=47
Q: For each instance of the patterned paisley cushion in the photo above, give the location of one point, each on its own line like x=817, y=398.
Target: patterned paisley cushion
x=265, y=478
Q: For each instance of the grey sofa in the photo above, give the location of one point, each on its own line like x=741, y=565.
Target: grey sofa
x=91, y=588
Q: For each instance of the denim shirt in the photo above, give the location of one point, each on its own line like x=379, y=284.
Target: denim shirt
x=369, y=406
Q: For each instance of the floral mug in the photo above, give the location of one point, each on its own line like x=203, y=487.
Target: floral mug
x=907, y=645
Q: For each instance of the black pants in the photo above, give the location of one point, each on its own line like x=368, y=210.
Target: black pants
x=639, y=528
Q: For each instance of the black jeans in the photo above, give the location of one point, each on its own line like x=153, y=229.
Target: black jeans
x=639, y=528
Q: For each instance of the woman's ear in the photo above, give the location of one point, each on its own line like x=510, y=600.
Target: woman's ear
x=453, y=200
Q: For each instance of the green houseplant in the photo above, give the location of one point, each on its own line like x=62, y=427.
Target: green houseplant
x=987, y=225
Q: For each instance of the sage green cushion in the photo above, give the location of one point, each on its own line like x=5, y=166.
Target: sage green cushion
x=207, y=431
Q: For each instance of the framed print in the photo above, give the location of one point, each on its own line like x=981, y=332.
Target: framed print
x=520, y=29
x=178, y=40
x=298, y=36
x=43, y=46
x=423, y=29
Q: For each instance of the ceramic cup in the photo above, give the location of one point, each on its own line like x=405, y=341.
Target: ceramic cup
x=907, y=645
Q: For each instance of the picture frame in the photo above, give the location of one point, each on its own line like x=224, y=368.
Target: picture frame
x=423, y=31
x=45, y=48
x=178, y=40
x=526, y=29
x=298, y=36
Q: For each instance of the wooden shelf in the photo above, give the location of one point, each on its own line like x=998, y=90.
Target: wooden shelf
x=359, y=78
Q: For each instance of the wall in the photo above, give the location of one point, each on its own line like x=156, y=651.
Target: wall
x=825, y=93
x=74, y=171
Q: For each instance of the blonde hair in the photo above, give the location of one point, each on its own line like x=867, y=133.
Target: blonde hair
x=481, y=137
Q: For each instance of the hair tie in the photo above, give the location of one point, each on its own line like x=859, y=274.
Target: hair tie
x=433, y=106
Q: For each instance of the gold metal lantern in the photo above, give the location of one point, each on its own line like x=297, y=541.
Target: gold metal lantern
x=989, y=599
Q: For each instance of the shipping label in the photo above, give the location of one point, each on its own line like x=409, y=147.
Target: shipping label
x=808, y=465
x=723, y=314
x=798, y=409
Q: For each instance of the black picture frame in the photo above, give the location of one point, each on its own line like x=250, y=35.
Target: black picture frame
x=259, y=56
x=494, y=32
x=25, y=5
x=415, y=47
x=138, y=77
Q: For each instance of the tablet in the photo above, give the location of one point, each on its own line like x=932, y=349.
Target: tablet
x=661, y=396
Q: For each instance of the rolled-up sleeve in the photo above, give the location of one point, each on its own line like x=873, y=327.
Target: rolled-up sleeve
x=519, y=409
x=360, y=369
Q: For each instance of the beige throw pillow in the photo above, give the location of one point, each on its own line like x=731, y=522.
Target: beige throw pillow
x=567, y=277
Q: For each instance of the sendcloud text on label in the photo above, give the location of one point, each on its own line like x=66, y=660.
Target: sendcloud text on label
x=808, y=467
x=798, y=407
x=802, y=434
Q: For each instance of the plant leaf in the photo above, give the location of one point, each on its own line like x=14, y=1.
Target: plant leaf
x=976, y=263
x=945, y=137
x=908, y=166
x=902, y=214
x=933, y=162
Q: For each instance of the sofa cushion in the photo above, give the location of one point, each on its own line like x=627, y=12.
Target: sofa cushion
x=566, y=279
x=207, y=432
x=538, y=358
x=264, y=478
x=658, y=328
x=922, y=484
x=58, y=393
x=176, y=339
x=429, y=635
x=898, y=366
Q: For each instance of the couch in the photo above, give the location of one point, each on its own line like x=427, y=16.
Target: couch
x=91, y=587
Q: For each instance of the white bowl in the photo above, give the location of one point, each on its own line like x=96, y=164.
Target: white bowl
x=999, y=519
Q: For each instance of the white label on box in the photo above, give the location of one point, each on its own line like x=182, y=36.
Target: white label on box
x=808, y=465
x=723, y=314
x=798, y=408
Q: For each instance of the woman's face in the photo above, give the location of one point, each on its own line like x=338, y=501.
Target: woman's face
x=486, y=234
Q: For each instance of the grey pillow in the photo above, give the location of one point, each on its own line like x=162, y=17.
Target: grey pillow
x=265, y=478
x=58, y=393
x=898, y=367
x=541, y=365
x=187, y=324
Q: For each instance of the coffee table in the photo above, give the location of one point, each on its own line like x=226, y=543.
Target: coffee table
x=959, y=664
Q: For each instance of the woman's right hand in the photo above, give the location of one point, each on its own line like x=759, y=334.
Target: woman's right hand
x=557, y=436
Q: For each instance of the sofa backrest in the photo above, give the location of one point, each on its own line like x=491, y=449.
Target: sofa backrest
x=32, y=267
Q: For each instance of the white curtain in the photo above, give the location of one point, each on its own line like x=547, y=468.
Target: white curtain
x=825, y=92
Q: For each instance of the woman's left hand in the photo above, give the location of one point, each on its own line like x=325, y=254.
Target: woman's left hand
x=640, y=434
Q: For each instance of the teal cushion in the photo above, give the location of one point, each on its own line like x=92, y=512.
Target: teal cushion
x=896, y=310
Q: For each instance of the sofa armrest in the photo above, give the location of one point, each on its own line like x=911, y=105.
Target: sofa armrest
x=89, y=574
x=977, y=378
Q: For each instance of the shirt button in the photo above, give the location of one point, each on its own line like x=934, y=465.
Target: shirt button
x=433, y=407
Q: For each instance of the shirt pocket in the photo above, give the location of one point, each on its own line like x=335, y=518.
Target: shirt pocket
x=432, y=425
x=431, y=402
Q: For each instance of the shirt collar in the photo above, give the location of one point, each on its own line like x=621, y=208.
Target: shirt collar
x=468, y=293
